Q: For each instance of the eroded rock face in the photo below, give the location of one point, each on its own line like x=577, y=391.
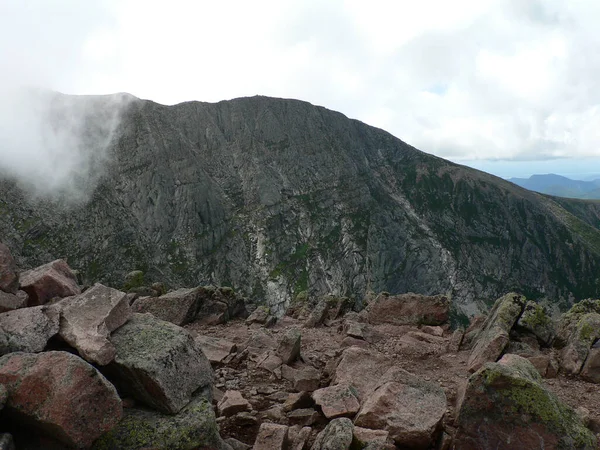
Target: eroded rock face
x=158, y=363
x=55, y=279
x=409, y=309
x=506, y=406
x=27, y=329
x=409, y=408
x=494, y=335
x=9, y=277
x=60, y=395
x=289, y=346
x=88, y=319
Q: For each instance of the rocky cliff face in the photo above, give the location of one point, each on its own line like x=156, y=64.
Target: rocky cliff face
x=274, y=197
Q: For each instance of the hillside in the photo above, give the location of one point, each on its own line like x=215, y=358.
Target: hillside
x=274, y=197
x=560, y=186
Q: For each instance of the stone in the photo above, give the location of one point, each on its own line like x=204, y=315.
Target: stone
x=133, y=279
x=567, y=325
x=289, y=346
x=261, y=340
x=87, y=320
x=456, y=340
x=409, y=408
x=237, y=445
x=269, y=362
x=158, y=363
x=361, y=369
x=193, y=427
x=318, y=314
x=304, y=417
x=297, y=400
x=27, y=329
x=353, y=342
x=540, y=362
x=232, y=403
x=303, y=379
x=271, y=436
x=535, y=320
x=338, y=306
x=409, y=309
x=337, y=401
x=55, y=279
x=9, y=277
x=60, y=395
x=375, y=438
x=10, y=302
x=337, y=435
x=179, y=307
x=494, y=335
x=215, y=349
x=260, y=315
x=300, y=439
x=591, y=368
x=584, y=333
x=434, y=331
x=506, y=406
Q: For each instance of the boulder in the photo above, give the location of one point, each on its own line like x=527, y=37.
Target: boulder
x=304, y=417
x=271, y=436
x=179, y=307
x=55, y=279
x=298, y=440
x=303, y=379
x=318, y=314
x=456, y=340
x=193, y=427
x=361, y=369
x=434, y=331
x=10, y=302
x=215, y=349
x=337, y=435
x=535, y=320
x=87, y=320
x=60, y=395
x=261, y=340
x=9, y=277
x=591, y=368
x=133, y=280
x=232, y=403
x=506, y=406
x=494, y=335
x=569, y=320
x=584, y=333
x=409, y=309
x=289, y=346
x=373, y=439
x=260, y=315
x=297, y=400
x=27, y=329
x=409, y=408
x=218, y=305
x=337, y=401
x=158, y=363
x=338, y=306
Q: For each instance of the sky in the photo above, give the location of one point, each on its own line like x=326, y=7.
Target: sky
x=507, y=86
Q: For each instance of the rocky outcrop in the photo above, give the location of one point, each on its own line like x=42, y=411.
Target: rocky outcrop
x=9, y=277
x=158, y=363
x=52, y=280
x=506, y=406
x=27, y=329
x=87, y=320
x=409, y=309
x=61, y=395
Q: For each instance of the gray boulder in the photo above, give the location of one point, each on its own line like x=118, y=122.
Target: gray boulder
x=337, y=435
x=27, y=329
x=535, y=320
x=10, y=302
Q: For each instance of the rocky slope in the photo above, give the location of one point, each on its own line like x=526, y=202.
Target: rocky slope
x=275, y=197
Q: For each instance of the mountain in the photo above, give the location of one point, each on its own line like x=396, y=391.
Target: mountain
x=275, y=197
x=560, y=186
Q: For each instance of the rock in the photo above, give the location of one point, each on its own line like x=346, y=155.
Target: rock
x=360, y=369
x=298, y=400
x=9, y=277
x=304, y=417
x=158, y=363
x=87, y=320
x=134, y=279
x=541, y=363
x=269, y=362
x=237, y=445
x=338, y=306
x=218, y=305
x=591, y=368
x=337, y=401
x=271, y=437
x=289, y=346
x=494, y=335
x=55, y=279
x=569, y=320
x=409, y=408
x=472, y=331
x=584, y=333
x=409, y=309
x=10, y=302
x=304, y=379
x=434, y=331
x=376, y=438
x=535, y=320
x=506, y=406
x=60, y=395
x=353, y=342
x=215, y=349
x=337, y=435
x=27, y=329
x=417, y=344
x=193, y=427
x=318, y=314
x=232, y=403
x=179, y=307
x=7, y=442
x=260, y=315
x=300, y=439
x=261, y=340
x=456, y=340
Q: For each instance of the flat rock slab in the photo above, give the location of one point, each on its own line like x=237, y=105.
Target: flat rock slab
x=9, y=277
x=409, y=309
x=215, y=349
x=158, y=363
x=88, y=319
x=271, y=436
x=60, y=395
x=27, y=329
x=179, y=307
x=304, y=379
x=55, y=279
x=337, y=401
x=193, y=427
x=232, y=403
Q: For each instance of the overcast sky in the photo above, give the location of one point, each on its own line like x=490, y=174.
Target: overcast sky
x=509, y=86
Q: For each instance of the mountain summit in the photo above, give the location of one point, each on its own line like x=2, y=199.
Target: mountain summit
x=275, y=197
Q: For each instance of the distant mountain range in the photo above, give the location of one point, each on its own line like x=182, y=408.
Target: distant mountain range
x=560, y=186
